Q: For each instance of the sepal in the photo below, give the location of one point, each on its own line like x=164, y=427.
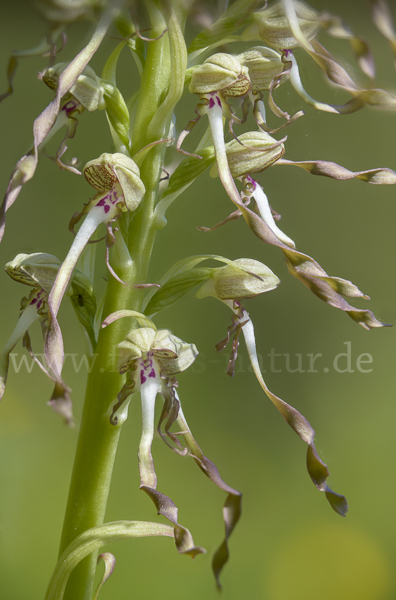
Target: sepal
x=221, y=73
x=87, y=89
x=105, y=172
x=252, y=152
x=243, y=278
x=263, y=64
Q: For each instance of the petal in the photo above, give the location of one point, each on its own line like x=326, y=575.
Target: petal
x=232, y=505
x=26, y=319
x=380, y=176
x=148, y=479
x=317, y=469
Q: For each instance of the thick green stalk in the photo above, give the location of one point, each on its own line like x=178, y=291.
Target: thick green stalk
x=98, y=439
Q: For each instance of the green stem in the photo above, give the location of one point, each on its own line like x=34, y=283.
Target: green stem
x=98, y=439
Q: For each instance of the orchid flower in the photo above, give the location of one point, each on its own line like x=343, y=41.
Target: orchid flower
x=231, y=286
x=39, y=271
x=151, y=359
x=120, y=189
x=86, y=93
x=220, y=77
x=255, y=152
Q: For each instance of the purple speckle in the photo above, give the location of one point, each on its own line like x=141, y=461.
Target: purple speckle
x=252, y=182
x=288, y=52
x=34, y=301
x=101, y=202
x=152, y=373
x=106, y=208
x=218, y=101
x=211, y=103
x=142, y=377
x=70, y=107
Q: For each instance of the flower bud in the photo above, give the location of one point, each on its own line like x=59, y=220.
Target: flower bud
x=37, y=270
x=273, y=27
x=221, y=73
x=88, y=89
x=243, y=278
x=244, y=159
x=107, y=170
x=264, y=64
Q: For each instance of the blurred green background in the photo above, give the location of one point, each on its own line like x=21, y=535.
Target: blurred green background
x=289, y=544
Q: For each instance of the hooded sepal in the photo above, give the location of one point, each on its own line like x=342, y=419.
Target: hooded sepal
x=185, y=275
x=37, y=270
x=87, y=89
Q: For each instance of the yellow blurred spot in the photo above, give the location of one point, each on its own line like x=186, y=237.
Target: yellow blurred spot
x=328, y=562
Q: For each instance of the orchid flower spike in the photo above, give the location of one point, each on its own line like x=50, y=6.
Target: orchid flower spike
x=151, y=359
x=116, y=178
x=224, y=287
x=39, y=271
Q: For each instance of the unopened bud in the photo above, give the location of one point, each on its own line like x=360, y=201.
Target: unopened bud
x=221, y=73
x=244, y=278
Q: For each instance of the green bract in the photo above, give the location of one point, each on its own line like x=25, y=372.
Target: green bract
x=88, y=89
x=107, y=170
x=221, y=73
x=244, y=278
